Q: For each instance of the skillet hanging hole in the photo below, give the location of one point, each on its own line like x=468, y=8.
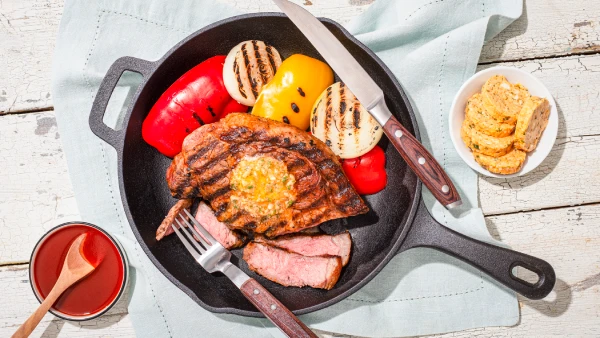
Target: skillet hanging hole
x=525, y=275
x=122, y=95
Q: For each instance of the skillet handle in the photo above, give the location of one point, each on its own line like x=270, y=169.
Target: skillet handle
x=495, y=261
x=109, y=135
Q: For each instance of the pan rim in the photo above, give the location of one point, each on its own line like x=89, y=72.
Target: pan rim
x=410, y=214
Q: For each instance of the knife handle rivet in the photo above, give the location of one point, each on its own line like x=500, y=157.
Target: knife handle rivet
x=256, y=292
x=421, y=160
x=445, y=189
x=273, y=307
x=398, y=133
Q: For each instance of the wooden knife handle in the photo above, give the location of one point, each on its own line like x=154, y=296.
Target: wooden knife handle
x=422, y=163
x=274, y=310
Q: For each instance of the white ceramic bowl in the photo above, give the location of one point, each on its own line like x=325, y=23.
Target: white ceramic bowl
x=472, y=86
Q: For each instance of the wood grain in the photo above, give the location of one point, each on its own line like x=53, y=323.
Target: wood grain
x=422, y=163
x=272, y=308
x=27, y=33
x=548, y=28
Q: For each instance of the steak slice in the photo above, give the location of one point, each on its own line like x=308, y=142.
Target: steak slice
x=292, y=269
x=165, y=229
x=228, y=238
x=210, y=154
x=313, y=245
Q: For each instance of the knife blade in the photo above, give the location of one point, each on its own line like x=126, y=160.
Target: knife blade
x=372, y=98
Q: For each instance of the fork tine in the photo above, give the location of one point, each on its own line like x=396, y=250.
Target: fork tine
x=196, y=232
x=190, y=237
x=191, y=227
x=186, y=243
x=199, y=227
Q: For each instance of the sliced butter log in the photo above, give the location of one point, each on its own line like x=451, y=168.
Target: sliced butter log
x=531, y=122
x=485, y=123
x=485, y=144
x=507, y=164
x=502, y=99
x=220, y=231
x=292, y=269
x=314, y=245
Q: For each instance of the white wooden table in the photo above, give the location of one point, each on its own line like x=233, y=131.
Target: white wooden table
x=552, y=213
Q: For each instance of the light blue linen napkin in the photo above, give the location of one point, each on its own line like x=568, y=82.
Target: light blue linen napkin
x=431, y=46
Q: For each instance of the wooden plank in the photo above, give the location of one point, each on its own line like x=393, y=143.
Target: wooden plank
x=570, y=175
x=568, y=238
x=36, y=192
x=115, y=323
x=548, y=28
x=27, y=32
x=28, y=29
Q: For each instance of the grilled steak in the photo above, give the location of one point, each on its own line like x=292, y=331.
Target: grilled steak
x=228, y=238
x=165, y=227
x=313, y=245
x=291, y=269
x=211, y=153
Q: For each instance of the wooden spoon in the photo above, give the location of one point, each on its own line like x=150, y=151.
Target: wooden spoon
x=74, y=269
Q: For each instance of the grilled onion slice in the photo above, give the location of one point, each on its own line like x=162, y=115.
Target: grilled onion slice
x=339, y=120
x=248, y=67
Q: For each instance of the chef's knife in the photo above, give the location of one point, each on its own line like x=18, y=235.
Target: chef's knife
x=371, y=96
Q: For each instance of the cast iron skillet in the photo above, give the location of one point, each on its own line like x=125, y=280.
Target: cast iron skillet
x=398, y=220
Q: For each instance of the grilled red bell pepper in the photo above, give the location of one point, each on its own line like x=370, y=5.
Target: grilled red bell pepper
x=367, y=172
x=198, y=97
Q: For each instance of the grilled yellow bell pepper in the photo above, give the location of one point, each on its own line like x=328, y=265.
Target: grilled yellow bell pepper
x=291, y=94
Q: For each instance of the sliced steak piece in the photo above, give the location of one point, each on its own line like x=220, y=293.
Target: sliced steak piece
x=210, y=154
x=291, y=269
x=313, y=245
x=165, y=228
x=228, y=238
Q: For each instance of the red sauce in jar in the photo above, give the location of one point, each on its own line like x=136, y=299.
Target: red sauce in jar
x=94, y=292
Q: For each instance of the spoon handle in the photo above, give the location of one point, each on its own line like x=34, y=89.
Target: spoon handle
x=32, y=322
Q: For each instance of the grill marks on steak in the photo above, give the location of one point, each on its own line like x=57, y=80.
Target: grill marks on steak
x=292, y=269
x=211, y=152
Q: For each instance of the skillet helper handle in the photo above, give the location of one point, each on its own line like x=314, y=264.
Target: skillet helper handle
x=495, y=261
x=274, y=310
x=109, y=135
x=422, y=163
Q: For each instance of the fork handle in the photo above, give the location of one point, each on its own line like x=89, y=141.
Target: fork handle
x=283, y=318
